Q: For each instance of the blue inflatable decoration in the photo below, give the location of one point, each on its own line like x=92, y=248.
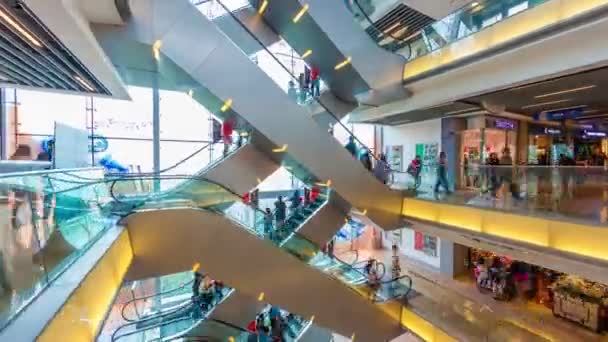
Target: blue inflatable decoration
x=112, y=165
x=350, y=231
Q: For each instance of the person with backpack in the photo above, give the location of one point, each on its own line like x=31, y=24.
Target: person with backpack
x=382, y=170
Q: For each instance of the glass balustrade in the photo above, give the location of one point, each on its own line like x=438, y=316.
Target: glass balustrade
x=462, y=23
x=572, y=193
x=47, y=224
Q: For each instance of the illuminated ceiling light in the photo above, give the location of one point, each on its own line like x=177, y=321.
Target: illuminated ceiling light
x=392, y=27
x=474, y=4
x=312, y=318
x=307, y=53
x=261, y=297
x=134, y=285
x=258, y=180
x=14, y=24
x=343, y=64
x=364, y=212
x=300, y=13
x=263, y=7
x=564, y=108
x=156, y=49
x=227, y=105
x=327, y=184
x=280, y=149
x=244, y=134
x=190, y=92
x=545, y=104
x=83, y=83
x=195, y=267
x=462, y=111
x=588, y=111
x=565, y=91
x=231, y=339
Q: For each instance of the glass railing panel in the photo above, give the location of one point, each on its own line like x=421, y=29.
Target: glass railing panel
x=50, y=219
x=464, y=22
x=291, y=326
x=573, y=193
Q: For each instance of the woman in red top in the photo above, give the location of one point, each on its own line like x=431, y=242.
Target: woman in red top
x=227, y=129
x=316, y=81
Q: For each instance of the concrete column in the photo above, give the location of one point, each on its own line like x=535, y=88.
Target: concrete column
x=156, y=130
x=450, y=144
x=3, y=128
x=451, y=258
x=523, y=135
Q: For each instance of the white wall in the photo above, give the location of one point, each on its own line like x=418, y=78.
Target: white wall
x=406, y=247
x=408, y=135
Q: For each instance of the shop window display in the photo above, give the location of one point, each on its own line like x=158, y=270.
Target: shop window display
x=567, y=296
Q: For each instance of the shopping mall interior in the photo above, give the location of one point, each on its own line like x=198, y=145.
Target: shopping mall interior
x=149, y=193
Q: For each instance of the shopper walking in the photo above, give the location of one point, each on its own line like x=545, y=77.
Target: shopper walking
x=280, y=212
x=316, y=82
x=268, y=221
x=351, y=146
x=365, y=158
x=382, y=170
x=442, y=174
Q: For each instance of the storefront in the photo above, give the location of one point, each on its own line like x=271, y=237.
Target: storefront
x=496, y=136
x=567, y=296
x=546, y=144
x=588, y=144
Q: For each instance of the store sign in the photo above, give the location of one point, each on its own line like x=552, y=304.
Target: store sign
x=553, y=131
x=425, y=243
x=504, y=124
x=100, y=144
x=559, y=114
x=595, y=134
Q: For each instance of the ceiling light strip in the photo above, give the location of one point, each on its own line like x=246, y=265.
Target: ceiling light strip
x=84, y=83
x=565, y=91
x=263, y=7
x=14, y=24
x=545, y=103
x=300, y=13
x=343, y=64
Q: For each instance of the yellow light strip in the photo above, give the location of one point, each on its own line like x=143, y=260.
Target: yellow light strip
x=280, y=149
x=327, y=184
x=263, y=7
x=261, y=296
x=196, y=267
x=300, y=13
x=545, y=103
x=156, y=49
x=343, y=64
x=227, y=105
x=20, y=29
x=307, y=53
x=565, y=91
x=83, y=83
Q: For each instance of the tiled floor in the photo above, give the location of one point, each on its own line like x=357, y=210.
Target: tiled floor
x=456, y=299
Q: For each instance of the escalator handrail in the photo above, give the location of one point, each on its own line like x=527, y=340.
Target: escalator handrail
x=403, y=295
x=244, y=27
x=164, y=314
x=373, y=25
x=133, y=300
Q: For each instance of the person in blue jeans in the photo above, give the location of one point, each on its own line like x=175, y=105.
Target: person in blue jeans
x=442, y=173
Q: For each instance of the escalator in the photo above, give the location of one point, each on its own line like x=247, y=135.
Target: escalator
x=231, y=244
x=174, y=315
x=262, y=103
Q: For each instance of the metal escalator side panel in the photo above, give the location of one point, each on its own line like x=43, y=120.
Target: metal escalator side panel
x=324, y=223
x=242, y=171
x=228, y=252
x=239, y=309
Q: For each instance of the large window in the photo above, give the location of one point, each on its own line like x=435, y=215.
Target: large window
x=119, y=130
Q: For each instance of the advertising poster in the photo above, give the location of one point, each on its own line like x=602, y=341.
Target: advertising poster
x=394, y=155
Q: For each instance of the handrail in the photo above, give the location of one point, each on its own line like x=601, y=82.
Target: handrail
x=133, y=300
x=152, y=326
x=292, y=75
x=371, y=24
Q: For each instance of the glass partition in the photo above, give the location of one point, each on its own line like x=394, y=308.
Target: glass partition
x=468, y=20
x=47, y=224
x=572, y=193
